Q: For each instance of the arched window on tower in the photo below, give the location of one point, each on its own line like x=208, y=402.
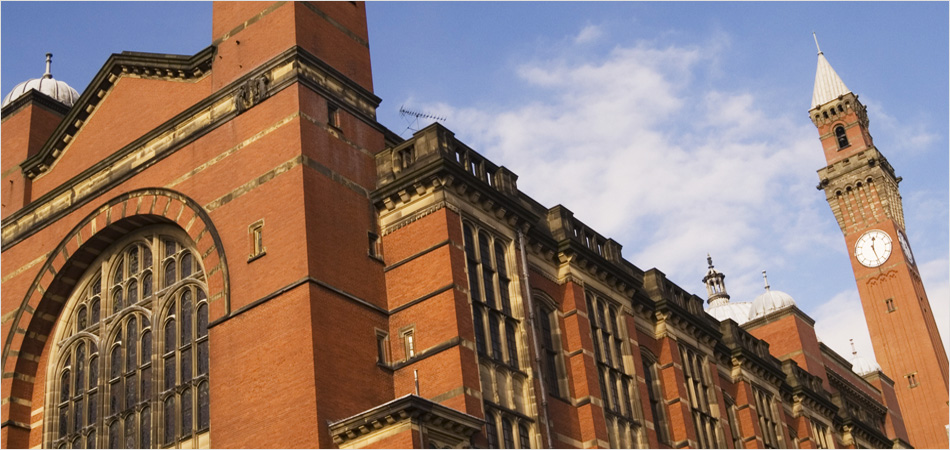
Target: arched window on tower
x=138, y=320
x=842, y=137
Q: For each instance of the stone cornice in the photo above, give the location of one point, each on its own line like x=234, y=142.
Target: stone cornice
x=35, y=97
x=409, y=408
x=143, y=65
x=293, y=65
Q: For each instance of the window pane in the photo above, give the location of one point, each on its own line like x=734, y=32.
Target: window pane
x=93, y=407
x=119, y=273
x=478, y=322
x=168, y=430
x=131, y=389
x=116, y=362
x=132, y=339
x=80, y=368
x=146, y=257
x=134, y=261
x=146, y=347
x=186, y=317
x=91, y=439
x=170, y=273
x=202, y=319
x=495, y=329
x=145, y=428
x=117, y=304
x=81, y=318
x=96, y=286
x=203, y=417
x=170, y=247
x=203, y=357
x=512, y=344
x=170, y=335
x=146, y=383
x=186, y=364
x=525, y=437
x=186, y=417
x=115, y=398
x=491, y=431
x=147, y=285
x=114, y=434
x=94, y=306
x=133, y=293
x=473, y=281
x=130, y=432
x=185, y=265
x=170, y=372
x=508, y=433
x=63, y=420
x=77, y=421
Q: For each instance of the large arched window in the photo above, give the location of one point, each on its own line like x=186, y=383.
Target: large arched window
x=130, y=361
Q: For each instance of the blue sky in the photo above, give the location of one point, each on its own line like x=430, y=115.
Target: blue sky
x=675, y=128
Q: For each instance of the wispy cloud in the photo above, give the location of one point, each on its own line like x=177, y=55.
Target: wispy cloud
x=590, y=33
x=638, y=146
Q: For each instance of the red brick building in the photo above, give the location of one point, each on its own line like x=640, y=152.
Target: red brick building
x=227, y=250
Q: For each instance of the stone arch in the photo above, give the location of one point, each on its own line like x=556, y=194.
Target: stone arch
x=40, y=308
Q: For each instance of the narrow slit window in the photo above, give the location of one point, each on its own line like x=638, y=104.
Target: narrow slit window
x=256, y=238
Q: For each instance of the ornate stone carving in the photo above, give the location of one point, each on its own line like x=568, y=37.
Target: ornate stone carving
x=251, y=93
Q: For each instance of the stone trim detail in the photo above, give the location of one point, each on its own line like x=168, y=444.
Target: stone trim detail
x=409, y=409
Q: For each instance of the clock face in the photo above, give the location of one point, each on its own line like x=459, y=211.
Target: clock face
x=873, y=248
x=905, y=246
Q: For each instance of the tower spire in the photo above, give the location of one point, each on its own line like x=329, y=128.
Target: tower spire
x=766, y=278
x=816, y=42
x=828, y=85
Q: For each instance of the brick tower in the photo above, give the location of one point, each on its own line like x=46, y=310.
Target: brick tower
x=862, y=190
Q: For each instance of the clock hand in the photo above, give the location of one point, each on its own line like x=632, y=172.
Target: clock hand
x=872, y=247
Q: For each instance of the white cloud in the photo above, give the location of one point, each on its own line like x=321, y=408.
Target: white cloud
x=841, y=319
x=590, y=33
x=639, y=146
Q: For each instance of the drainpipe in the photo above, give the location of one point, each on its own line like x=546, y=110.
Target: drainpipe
x=534, y=338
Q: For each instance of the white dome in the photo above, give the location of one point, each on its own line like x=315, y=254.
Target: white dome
x=863, y=366
x=58, y=90
x=769, y=302
x=737, y=311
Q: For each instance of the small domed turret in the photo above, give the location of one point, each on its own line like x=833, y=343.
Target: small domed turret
x=860, y=365
x=719, y=305
x=769, y=301
x=58, y=90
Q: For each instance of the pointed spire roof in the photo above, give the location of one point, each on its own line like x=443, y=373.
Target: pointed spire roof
x=828, y=85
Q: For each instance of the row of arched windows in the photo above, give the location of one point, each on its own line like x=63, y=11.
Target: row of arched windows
x=132, y=368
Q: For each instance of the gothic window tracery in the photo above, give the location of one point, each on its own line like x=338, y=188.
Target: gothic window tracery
x=134, y=375
x=496, y=317
x=616, y=385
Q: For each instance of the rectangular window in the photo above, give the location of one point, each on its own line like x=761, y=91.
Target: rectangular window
x=409, y=341
x=333, y=115
x=382, y=347
x=548, y=350
x=890, y=305
x=255, y=234
x=375, y=249
x=912, y=380
x=651, y=377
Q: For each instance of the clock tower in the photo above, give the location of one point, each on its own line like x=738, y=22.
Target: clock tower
x=862, y=190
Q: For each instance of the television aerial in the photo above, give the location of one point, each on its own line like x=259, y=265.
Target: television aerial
x=412, y=118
